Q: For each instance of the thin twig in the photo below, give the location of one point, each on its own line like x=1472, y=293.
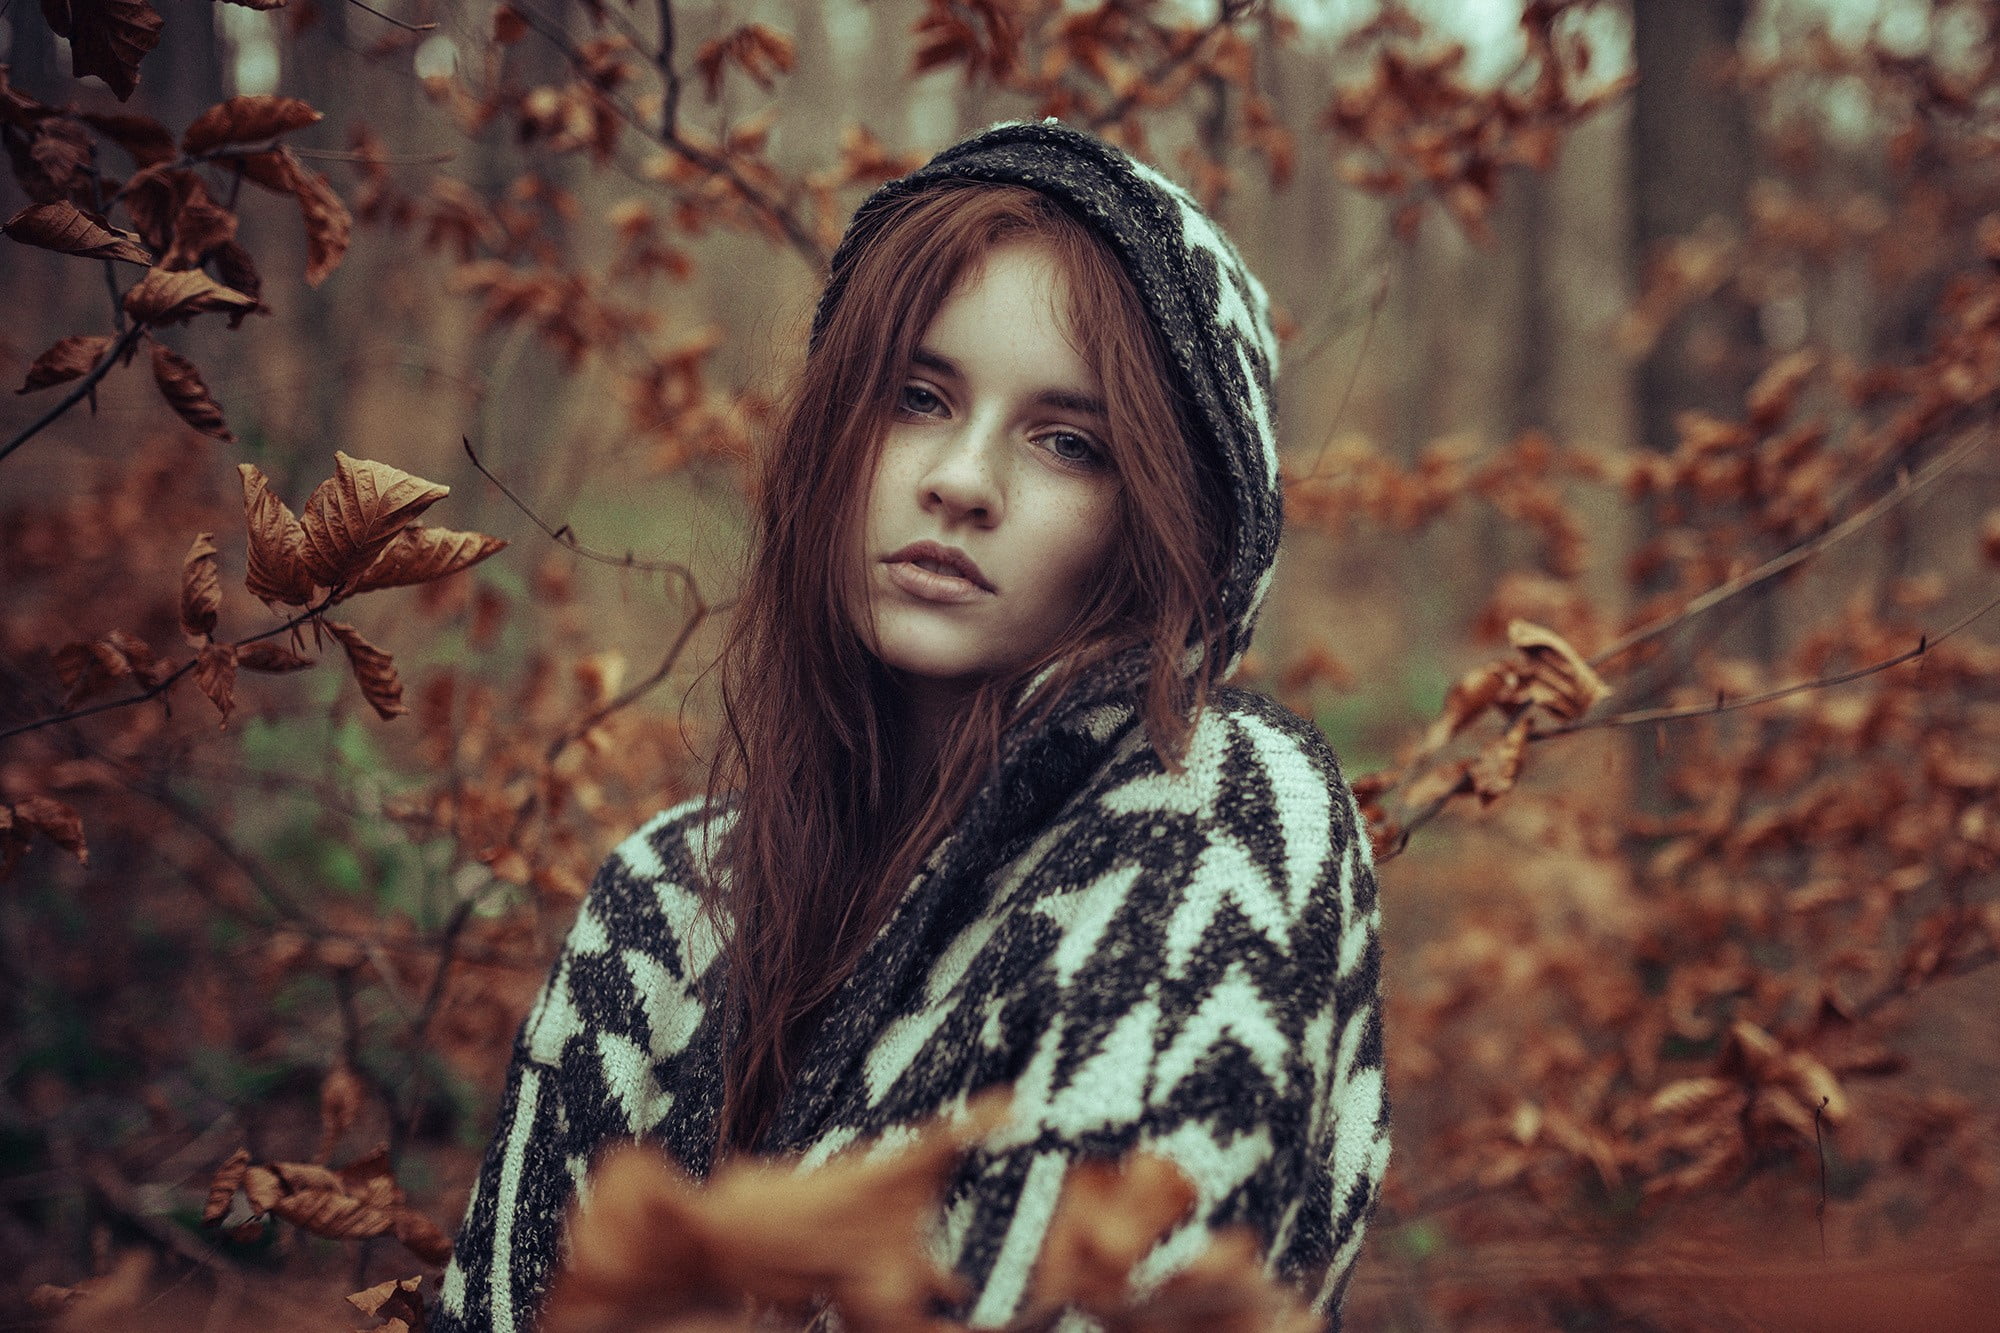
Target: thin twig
x=120, y=345
x=1648, y=716
x=1230, y=11
x=1804, y=550
x=1375, y=304
x=671, y=139
x=166, y=682
x=564, y=536
x=634, y=693
x=286, y=905
x=386, y=159
x=1819, y=1142
x=406, y=27
x=1432, y=808
x=663, y=60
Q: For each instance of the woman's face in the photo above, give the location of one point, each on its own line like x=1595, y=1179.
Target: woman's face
x=994, y=505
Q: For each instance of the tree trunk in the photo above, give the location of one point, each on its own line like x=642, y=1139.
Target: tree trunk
x=1692, y=159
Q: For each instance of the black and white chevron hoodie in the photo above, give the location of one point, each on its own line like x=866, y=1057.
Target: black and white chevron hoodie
x=1186, y=962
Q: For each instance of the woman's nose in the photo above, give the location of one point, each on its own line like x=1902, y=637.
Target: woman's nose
x=963, y=481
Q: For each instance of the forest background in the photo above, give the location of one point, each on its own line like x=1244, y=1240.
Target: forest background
x=1637, y=395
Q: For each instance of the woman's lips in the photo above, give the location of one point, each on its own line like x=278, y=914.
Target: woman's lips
x=933, y=572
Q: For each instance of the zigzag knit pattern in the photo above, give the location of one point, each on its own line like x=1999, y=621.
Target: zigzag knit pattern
x=1185, y=962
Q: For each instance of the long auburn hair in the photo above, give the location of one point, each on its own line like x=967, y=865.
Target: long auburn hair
x=829, y=820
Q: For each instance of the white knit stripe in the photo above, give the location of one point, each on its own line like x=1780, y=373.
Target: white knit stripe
x=1303, y=806
x=1082, y=914
x=1033, y=1208
x=500, y=1281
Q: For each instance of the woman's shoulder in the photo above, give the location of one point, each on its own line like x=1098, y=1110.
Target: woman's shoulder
x=1248, y=757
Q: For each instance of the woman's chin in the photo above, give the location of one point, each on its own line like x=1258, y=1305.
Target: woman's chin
x=927, y=661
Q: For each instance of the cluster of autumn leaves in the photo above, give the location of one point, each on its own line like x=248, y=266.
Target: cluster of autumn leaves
x=359, y=534
x=181, y=231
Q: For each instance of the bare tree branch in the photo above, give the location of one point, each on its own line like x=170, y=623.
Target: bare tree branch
x=564, y=536
x=1805, y=550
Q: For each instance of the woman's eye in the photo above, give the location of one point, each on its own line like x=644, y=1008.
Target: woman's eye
x=1073, y=448
x=916, y=398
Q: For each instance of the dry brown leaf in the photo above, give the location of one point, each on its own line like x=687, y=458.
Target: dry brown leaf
x=1495, y=768
x=70, y=358
x=181, y=385
x=223, y=1185
x=759, y=51
x=329, y=226
x=653, y=1245
x=508, y=25
x=1109, y=1215
x=269, y=657
x=421, y=1236
x=201, y=588
x=374, y=671
x=201, y=226
x=1989, y=534
x=341, y=1097
x=234, y=265
x=69, y=230
x=1558, y=678
x=1436, y=785
x=1770, y=399
x=88, y=669
x=419, y=554
x=172, y=296
x=54, y=820
x=53, y=159
x=215, y=674
x=262, y=1188
x=276, y=570
x=354, y=514
x=107, y=38
x=1469, y=696
x=395, y=1302
x=247, y=119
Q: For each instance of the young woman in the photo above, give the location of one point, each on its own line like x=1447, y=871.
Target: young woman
x=985, y=813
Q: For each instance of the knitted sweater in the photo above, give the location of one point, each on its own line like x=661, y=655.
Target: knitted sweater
x=1181, y=961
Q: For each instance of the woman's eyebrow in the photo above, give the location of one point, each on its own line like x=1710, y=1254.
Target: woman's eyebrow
x=1068, y=400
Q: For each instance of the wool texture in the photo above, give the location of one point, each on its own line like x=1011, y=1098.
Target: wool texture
x=1185, y=961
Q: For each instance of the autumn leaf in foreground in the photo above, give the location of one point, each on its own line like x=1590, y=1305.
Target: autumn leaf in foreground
x=107, y=38
x=396, y=1303
x=276, y=558
x=69, y=230
x=172, y=296
x=354, y=514
x=201, y=588
x=419, y=554
x=182, y=386
x=67, y=359
x=654, y=1246
x=329, y=226
x=247, y=119
x=374, y=671
x=356, y=1202
x=44, y=815
x=1109, y=1217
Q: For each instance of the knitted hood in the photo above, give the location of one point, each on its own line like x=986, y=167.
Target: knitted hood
x=1211, y=312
